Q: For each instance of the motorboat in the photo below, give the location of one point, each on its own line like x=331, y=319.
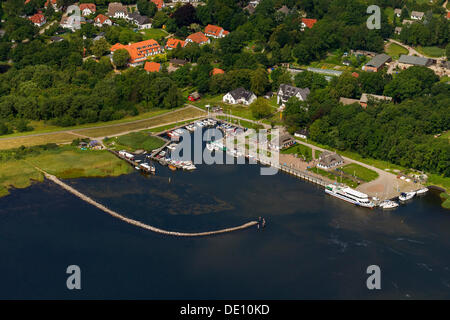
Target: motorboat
x=422, y=191
x=388, y=204
x=405, y=196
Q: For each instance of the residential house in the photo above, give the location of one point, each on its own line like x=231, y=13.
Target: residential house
x=398, y=12
x=159, y=4
x=406, y=61
x=142, y=22
x=398, y=30
x=117, y=10
x=73, y=22
x=215, y=31
x=250, y=8
x=302, y=133
x=216, y=71
x=284, y=9
x=174, y=64
x=198, y=38
x=448, y=15
x=53, y=3
x=308, y=23
x=377, y=63
x=152, y=66
x=173, y=43
x=286, y=91
x=101, y=20
x=406, y=21
x=56, y=39
x=38, y=19
x=88, y=9
x=194, y=96
x=417, y=15
x=365, y=98
x=139, y=51
x=348, y=101
x=239, y=96
x=328, y=160
x=286, y=141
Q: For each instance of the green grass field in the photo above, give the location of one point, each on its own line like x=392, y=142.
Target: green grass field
x=395, y=50
x=136, y=140
x=64, y=162
x=156, y=34
x=433, y=52
x=329, y=175
x=359, y=172
x=301, y=150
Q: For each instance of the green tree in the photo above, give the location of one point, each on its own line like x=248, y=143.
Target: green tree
x=100, y=47
x=260, y=108
x=121, y=58
x=259, y=81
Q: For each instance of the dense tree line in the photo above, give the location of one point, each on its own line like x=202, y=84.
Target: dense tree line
x=401, y=133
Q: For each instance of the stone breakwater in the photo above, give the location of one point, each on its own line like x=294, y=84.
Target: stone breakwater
x=141, y=224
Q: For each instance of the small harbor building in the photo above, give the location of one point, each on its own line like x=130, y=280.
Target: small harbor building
x=329, y=160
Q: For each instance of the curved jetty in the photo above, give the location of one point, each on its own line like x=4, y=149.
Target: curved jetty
x=141, y=224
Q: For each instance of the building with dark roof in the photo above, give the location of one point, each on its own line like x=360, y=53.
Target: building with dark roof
x=239, y=96
x=406, y=61
x=286, y=91
x=377, y=63
x=328, y=160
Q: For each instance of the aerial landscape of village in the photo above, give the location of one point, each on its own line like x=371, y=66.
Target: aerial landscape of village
x=306, y=142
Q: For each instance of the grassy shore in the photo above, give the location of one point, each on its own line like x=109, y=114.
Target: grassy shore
x=108, y=129
x=63, y=162
x=134, y=141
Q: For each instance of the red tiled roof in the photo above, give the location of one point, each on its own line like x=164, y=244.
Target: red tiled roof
x=152, y=66
x=448, y=15
x=37, y=18
x=48, y=1
x=355, y=74
x=101, y=18
x=138, y=50
x=173, y=43
x=217, y=71
x=90, y=6
x=159, y=3
x=26, y=1
x=213, y=30
x=309, y=22
x=197, y=37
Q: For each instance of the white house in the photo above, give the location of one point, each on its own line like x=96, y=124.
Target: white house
x=328, y=160
x=286, y=91
x=417, y=15
x=142, y=22
x=88, y=8
x=239, y=96
x=101, y=20
x=117, y=10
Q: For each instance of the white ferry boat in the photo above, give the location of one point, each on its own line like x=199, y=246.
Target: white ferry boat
x=349, y=195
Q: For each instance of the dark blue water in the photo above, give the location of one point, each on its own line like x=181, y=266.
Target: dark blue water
x=314, y=246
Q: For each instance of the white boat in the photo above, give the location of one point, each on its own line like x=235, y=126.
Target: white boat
x=349, y=195
x=191, y=127
x=422, y=191
x=405, y=196
x=388, y=204
x=172, y=146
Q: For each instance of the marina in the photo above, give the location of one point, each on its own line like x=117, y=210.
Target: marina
x=163, y=156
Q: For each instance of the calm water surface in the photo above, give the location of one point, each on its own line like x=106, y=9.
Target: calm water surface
x=314, y=246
